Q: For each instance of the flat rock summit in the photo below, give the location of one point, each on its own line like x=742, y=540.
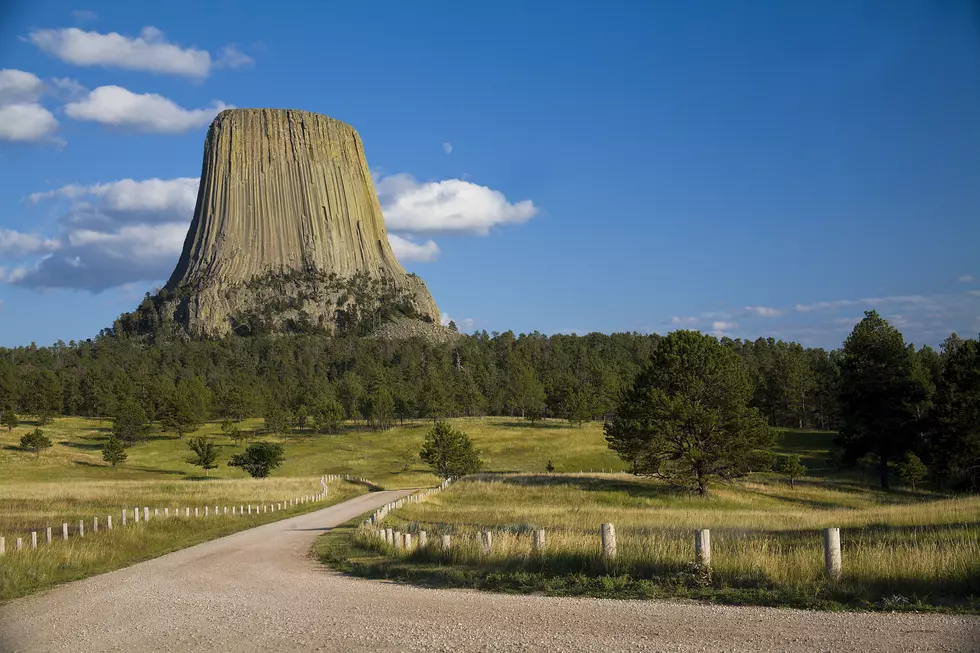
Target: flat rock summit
x=288, y=235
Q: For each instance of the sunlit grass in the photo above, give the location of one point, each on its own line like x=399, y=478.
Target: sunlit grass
x=764, y=535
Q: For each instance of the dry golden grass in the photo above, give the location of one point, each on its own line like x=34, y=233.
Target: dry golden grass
x=763, y=534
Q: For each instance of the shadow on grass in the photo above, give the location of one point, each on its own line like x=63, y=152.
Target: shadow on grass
x=524, y=424
x=151, y=470
x=84, y=446
x=638, y=487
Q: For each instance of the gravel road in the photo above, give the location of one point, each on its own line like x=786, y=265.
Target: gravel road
x=259, y=590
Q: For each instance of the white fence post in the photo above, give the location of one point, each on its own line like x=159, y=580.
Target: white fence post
x=702, y=547
x=33, y=539
x=47, y=535
x=95, y=524
x=81, y=528
x=108, y=522
x=146, y=513
x=831, y=553
x=608, y=541
x=64, y=530
x=539, y=540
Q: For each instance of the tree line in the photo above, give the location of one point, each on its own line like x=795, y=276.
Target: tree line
x=920, y=400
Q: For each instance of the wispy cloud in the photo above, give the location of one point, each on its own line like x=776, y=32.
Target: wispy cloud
x=870, y=302
x=447, y=147
x=149, y=52
x=115, y=106
x=966, y=278
x=761, y=311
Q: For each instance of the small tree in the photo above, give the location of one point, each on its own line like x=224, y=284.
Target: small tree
x=114, y=452
x=450, y=451
x=130, y=422
x=912, y=470
x=328, y=416
x=259, y=459
x=277, y=421
x=35, y=441
x=550, y=467
x=205, y=454
x=793, y=469
x=9, y=419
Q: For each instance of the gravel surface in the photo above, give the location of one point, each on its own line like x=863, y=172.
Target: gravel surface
x=259, y=590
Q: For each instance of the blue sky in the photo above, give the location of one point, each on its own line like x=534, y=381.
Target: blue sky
x=743, y=168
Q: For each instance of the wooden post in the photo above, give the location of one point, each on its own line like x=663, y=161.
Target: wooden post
x=123, y=516
x=389, y=537
x=446, y=542
x=399, y=542
x=20, y=544
x=831, y=553
x=487, y=537
x=196, y=514
x=423, y=539
x=539, y=540
x=225, y=511
x=187, y=511
x=166, y=512
x=205, y=511
x=146, y=513
x=33, y=539
x=156, y=513
x=47, y=535
x=64, y=531
x=702, y=547
x=108, y=522
x=408, y=541
x=3, y=546
x=95, y=524
x=136, y=515
x=608, y=541
x=81, y=528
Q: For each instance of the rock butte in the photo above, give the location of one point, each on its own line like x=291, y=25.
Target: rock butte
x=288, y=196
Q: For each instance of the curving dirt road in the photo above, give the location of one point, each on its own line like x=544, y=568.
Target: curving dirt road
x=259, y=590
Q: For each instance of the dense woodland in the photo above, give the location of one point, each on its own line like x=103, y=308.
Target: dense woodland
x=927, y=401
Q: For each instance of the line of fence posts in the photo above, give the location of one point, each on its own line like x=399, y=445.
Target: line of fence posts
x=145, y=510
x=833, y=561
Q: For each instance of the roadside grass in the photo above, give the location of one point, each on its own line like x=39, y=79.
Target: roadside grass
x=41, y=505
x=901, y=550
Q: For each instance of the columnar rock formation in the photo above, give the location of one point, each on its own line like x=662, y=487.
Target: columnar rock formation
x=287, y=230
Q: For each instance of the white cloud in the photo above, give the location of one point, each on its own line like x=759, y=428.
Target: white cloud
x=22, y=118
x=975, y=293
x=720, y=328
x=966, y=278
x=762, y=311
x=465, y=324
x=408, y=250
x=452, y=205
x=113, y=233
x=687, y=321
x=232, y=57
x=868, y=301
x=447, y=147
x=67, y=88
x=26, y=123
x=16, y=242
x=118, y=107
x=150, y=51
x=19, y=87
x=84, y=15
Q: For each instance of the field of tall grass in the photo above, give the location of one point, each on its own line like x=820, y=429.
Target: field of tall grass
x=70, y=481
x=899, y=548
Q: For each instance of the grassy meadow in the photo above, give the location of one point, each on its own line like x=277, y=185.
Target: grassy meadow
x=70, y=481
x=901, y=549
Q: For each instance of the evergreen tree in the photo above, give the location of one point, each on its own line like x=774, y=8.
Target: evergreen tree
x=187, y=408
x=449, y=451
x=686, y=418
x=912, y=470
x=955, y=433
x=114, y=452
x=878, y=393
x=793, y=469
x=130, y=422
x=35, y=441
x=8, y=418
x=276, y=421
x=328, y=416
x=205, y=453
